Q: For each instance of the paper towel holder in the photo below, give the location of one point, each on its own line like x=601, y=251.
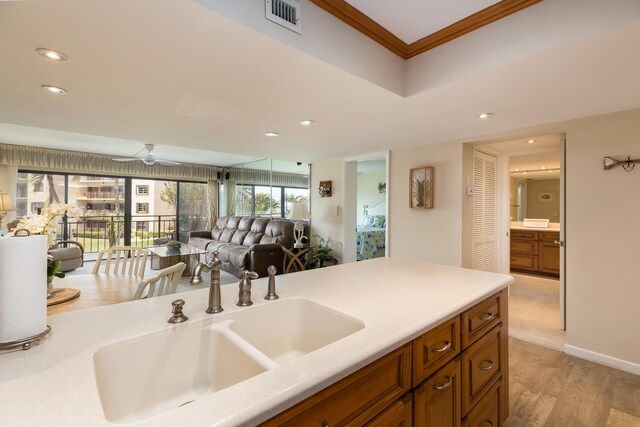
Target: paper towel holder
x=25, y=343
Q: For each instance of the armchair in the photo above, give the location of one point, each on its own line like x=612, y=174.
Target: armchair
x=70, y=257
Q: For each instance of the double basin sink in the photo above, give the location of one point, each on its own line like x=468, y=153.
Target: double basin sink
x=143, y=377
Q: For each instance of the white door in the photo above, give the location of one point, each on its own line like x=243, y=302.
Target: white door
x=484, y=226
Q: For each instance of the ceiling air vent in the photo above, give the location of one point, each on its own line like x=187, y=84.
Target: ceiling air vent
x=286, y=13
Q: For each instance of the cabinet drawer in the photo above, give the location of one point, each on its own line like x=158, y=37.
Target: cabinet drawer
x=356, y=399
x=524, y=234
x=399, y=414
x=436, y=403
x=527, y=247
x=480, y=318
x=435, y=348
x=488, y=411
x=549, y=236
x=524, y=262
x=481, y=367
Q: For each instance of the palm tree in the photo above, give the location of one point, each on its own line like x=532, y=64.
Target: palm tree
x=39, y=178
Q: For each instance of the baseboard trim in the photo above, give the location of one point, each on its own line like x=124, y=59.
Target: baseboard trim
x=603, y=359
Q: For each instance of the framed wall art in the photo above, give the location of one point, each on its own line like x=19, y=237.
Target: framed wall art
x=421, y=188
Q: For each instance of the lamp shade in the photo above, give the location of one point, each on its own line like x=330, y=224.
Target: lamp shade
x=6, y=204
x=299, y=211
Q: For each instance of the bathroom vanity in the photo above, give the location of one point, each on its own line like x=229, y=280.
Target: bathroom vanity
x=380, y=342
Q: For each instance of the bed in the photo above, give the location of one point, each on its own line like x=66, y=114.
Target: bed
x=370, y=236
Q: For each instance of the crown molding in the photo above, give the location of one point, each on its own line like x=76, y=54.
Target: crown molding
x=367, y=26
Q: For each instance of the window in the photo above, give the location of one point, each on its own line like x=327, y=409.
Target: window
x=142, y=208
x=22, y=189
x=142, y=190
x=21, y=209
x=36, y=207
x=267, y=201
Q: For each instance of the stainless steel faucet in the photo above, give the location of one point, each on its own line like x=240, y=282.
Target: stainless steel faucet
x=271, y=290
x=244, y=293
x=213, y=266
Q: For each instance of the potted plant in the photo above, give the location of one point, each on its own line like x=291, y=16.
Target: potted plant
x=173, y=246
x=320, y=253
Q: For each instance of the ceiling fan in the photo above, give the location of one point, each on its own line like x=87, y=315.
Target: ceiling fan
x=149, y=157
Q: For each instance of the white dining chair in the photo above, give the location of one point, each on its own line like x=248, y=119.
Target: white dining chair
x=122, y=260
x=163, y=283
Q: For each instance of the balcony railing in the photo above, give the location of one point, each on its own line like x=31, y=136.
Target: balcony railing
x=101, y=232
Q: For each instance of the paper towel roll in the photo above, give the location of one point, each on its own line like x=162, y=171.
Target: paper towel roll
x=23, y=287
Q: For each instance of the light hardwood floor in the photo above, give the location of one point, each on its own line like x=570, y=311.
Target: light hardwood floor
x=549, y=388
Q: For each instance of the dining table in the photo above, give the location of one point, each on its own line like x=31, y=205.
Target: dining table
x=95, y=290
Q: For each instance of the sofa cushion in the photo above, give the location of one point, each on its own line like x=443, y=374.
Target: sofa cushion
x=279, y=231
x=227, y=235
x=238, y=237
x=252, y=238
x=215, y=246
x=245, y=223
x=200, y=242
x=235, y=254
x=260, y=225
x=233, y=222
x=216, y=233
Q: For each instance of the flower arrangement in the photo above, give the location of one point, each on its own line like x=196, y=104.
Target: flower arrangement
x=174, y=244
x=46, y=223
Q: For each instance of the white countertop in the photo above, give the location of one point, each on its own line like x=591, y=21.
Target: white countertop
x=553, y=226
x=53, y=384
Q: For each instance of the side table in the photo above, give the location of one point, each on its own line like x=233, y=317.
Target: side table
x=294, y=259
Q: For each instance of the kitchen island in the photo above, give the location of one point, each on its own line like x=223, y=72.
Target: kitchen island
x=395, y=301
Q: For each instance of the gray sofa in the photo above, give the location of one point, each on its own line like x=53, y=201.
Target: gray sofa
x=246, y=243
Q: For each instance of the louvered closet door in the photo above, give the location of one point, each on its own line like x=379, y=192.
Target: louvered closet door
x=484, y=212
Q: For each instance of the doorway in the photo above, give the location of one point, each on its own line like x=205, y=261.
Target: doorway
x=371, y=203
x=532, y=211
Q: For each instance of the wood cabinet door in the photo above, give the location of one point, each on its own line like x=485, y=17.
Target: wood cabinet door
x=488, y=412
x=435, y=348
x=436, y=403
x=356, y=399
x=399, y=414
x=549, y=258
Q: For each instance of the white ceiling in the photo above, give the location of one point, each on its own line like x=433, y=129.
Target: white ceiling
x=197, y=84
x=411, y=20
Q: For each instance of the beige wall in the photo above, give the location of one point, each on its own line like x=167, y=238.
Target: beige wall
x=432, y=235
x=324, y=220
x=368, y=194
x=535, y=209
x=603, y=237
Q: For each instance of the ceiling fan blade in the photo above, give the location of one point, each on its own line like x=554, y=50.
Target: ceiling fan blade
x=167, y=162
x=125, y=159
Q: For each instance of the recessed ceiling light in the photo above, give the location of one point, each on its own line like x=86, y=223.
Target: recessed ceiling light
x=531, y=141
x=517, y=170
x=271, y=134
x=54, y=89
x=52, y=55
x=524, y=172
x=306, y=122
x=484, y=115
x=543, y=167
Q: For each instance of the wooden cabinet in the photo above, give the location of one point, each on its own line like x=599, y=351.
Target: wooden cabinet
x=535, y=252
x=398, y=414
x=436, y=402
x=358, y=398
x=460, y=378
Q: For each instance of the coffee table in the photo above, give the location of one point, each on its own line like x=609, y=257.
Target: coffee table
x=163, y=257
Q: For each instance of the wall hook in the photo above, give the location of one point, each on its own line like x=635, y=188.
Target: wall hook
x=627, y=165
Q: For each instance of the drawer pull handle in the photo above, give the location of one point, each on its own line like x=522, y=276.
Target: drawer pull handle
x=447, y=346
x=489, y=422
x=486, y=367
x=445, y=386
x=487, y=316
x=326, y=424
